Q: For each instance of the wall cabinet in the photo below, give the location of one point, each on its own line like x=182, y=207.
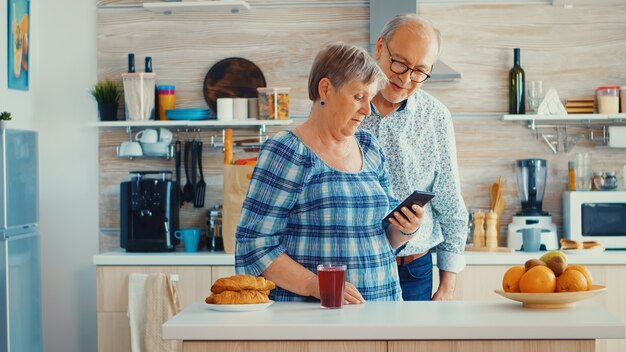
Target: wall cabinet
x=194, y=284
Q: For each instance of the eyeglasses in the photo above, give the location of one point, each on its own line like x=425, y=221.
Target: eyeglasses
x=399, y=68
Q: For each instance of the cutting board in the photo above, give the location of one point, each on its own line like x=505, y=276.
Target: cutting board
x=471, y=248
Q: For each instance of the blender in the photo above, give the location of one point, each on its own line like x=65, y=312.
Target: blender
x=531, y=175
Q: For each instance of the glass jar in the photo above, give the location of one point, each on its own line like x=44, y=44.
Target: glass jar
x=598, y=181
x=608, y=99
x=610, y=181
x=273, y=103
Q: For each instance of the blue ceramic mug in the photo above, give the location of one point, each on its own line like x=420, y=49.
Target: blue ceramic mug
x=190, y=237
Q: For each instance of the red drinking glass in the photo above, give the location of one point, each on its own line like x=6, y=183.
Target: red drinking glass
x=332, y=281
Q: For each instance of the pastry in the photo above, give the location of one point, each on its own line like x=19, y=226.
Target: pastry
x=238, y=297
x=242, y=282
x=567, y=244
x=591, y=244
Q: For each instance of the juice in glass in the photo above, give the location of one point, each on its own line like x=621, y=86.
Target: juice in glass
x=332, y=282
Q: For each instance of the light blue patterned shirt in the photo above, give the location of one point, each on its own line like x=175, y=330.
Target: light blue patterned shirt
x=300, y=206
x=418, y=142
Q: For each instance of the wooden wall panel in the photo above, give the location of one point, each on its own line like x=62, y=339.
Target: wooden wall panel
x=572, y=49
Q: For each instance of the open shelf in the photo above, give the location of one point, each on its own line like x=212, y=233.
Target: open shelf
x=569, y=117
x=192, y=123
x=169, y=7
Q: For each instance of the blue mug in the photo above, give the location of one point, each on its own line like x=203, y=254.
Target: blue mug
x=190, y=237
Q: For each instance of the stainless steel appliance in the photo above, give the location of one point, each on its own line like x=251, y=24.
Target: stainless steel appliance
x=596, y=216
x=215, y=241
x=149, y=209
x=531, y=175
x=20, y=271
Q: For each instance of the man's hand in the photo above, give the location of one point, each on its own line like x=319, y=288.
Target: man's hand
x=447, y=284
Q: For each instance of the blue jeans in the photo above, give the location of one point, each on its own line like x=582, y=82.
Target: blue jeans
x=416, y=279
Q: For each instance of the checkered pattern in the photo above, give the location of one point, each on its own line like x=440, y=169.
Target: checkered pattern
x=298, y=205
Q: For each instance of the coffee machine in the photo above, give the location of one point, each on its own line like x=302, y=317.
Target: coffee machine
x=532, y=175
x=149, y=208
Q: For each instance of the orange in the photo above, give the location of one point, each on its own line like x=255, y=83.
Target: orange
x=571, y=281
x=510, y=281
x=583, y=270
x=538, y=279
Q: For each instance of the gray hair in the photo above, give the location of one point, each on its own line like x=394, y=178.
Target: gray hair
x=397, y=22
x=343, y=63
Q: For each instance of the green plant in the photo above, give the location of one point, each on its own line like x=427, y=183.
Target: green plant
x=5, y=116
x=107, y=92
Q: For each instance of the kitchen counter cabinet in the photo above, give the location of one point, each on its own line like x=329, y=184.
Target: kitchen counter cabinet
x=194, y=283
x=477, y=282
x=395, y=326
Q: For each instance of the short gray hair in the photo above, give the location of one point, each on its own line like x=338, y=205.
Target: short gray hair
x=397, y=22
x=342, y=63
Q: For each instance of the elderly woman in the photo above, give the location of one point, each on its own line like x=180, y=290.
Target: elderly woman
x=318, y=193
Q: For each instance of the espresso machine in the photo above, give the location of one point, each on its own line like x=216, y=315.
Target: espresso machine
x=531, y=176
x=149, y=208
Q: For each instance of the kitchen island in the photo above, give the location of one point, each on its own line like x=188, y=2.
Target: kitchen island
x=395, y=327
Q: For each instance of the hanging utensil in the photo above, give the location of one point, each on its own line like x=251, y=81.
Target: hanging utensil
x=201, y=186
x=179, y=189
x=188, y=189
x=192, y=169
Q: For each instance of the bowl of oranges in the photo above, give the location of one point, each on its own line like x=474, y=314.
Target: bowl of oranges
x=548, y=282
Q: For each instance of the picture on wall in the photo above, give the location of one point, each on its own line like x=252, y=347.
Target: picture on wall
x=18, y=39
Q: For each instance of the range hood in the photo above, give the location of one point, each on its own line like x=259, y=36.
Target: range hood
x=382, y=10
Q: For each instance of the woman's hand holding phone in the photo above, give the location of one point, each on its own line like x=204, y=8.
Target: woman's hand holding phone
x=409, y=220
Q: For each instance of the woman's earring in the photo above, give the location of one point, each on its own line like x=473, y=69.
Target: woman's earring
x=322, y=102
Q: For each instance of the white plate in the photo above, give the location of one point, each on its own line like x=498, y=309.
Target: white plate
x=583, y=251
x=239, y=307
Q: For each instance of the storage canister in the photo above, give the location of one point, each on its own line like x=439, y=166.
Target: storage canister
x=273, y=103
x=608, y=99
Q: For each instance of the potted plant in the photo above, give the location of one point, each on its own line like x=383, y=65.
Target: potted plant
x=4, y=116
x=107, y=93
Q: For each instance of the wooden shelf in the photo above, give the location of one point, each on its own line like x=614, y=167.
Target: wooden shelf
x=169, y=7
x=569, y=117
x=192, y=123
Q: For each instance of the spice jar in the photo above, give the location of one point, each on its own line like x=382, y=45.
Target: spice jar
x=571, y=176
x=608, y=99
x=610, y=181
x=598, y=181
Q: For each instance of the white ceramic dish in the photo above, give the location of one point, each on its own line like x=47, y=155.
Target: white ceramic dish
x=551, y=300
x=583, y=251
x=239, y=307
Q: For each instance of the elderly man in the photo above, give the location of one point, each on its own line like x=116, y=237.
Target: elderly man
x=416, y=134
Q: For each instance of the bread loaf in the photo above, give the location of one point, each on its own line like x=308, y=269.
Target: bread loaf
x=237, y=297
x=591, y=244
x=567, y=244
x=242, y=282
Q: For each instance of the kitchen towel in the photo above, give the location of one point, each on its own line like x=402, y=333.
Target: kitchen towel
x=152, y=300
x=136, y=310
x=161, y=304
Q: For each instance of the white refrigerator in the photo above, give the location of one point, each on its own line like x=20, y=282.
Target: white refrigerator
x=20, y=271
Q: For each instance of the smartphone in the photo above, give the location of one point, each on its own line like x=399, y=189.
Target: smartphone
x=420, y=198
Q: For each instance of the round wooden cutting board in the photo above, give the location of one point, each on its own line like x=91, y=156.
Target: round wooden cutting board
x=233, y=77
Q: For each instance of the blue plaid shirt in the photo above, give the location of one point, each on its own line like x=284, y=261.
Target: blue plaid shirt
x=300, y=206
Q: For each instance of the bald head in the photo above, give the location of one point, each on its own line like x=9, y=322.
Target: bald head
x=422, y=28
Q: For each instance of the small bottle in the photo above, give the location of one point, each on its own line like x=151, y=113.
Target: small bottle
x=491, y=232
x=131, y=63
x=479, y=229
x=571, y=176
x=148, y=66
x=598, y=181
x=517, y=86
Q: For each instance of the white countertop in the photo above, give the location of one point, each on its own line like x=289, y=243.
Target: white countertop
x=452, y=320
x=221, y=258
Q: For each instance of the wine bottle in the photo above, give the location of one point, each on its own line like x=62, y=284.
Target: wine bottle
x=517, y=86
x=131, y=63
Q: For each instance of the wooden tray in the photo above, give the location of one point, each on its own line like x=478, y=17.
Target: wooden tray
x=234, y=77
x=471, y=248
x=551, y=300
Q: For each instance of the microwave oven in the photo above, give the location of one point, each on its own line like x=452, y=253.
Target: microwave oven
x=595, y=216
